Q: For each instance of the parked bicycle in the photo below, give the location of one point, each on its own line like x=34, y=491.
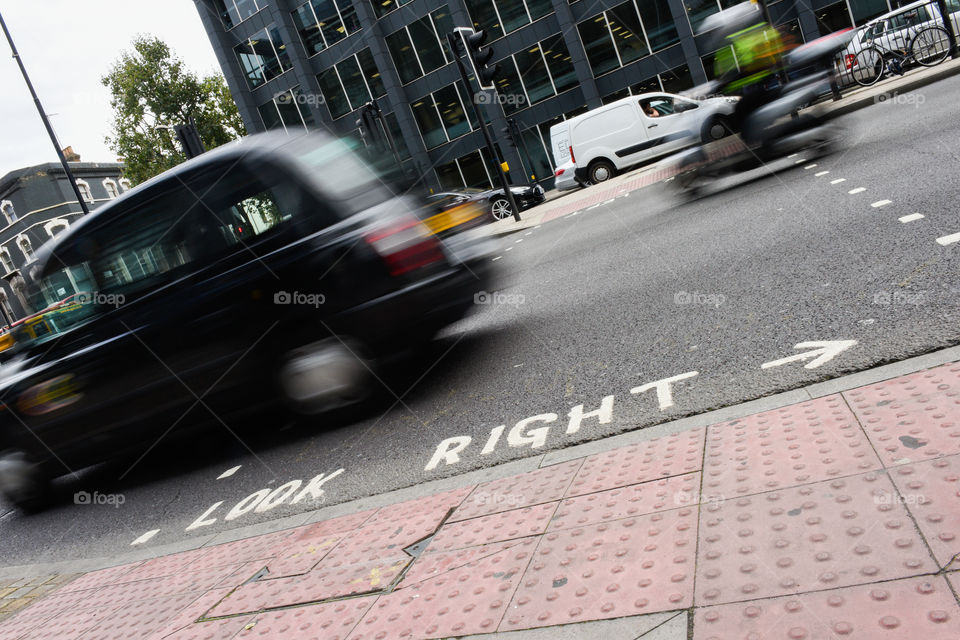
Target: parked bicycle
x=927, y=47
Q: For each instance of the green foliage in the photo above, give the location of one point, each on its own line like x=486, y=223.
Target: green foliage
x=152, y=91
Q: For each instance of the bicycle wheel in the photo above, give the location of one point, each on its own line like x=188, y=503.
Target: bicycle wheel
x=931, y=46
x=867, y=67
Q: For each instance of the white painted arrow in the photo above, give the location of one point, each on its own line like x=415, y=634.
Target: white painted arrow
x=823, y=352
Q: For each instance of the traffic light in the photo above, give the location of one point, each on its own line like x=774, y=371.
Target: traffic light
x=479, y=56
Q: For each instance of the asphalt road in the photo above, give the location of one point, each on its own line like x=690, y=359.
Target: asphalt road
x=631, y=292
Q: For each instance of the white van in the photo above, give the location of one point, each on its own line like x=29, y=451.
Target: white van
x=637, y=129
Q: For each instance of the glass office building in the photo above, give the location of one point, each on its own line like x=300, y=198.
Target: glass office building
x=292, y=64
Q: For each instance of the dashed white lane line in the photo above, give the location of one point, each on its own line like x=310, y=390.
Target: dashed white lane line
x=857, y=190
x=145, y=537
x=528, y=233
x=800, y=161
x=880, y=203
x=229, y=472
x=821, y=173
x=809, y=166
x=838, y=181
x=509, y=249
x=950, y=239
x=537, y=227
x=497, y=258
x=911, y=217
x=518, y=241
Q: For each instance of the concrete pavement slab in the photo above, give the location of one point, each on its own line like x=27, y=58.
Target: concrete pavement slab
x=543, y=485
x=931, y=492
x=329, y=620
x=496, y=527
x=433, y=563
x=629, y=628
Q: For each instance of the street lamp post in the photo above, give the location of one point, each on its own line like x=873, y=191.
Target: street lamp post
x=46, y=121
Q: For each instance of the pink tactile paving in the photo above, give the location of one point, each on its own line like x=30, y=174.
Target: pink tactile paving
x=162, y=566
x=329, y=621
x=931, y=492
x=213, y=630
x=912, y=418
x=18, y=625
x=913, y=608
x=192, y=612
x=239, y=551
x=319, y=584
x=523, y=490
x=67, y=626
x=671, y=455
x=821, y=536
x=430, y=565
x=954, y=577
x=608, y=570
x=57, y=603
x=436, y=505
x=795, y=445
x=98, y=578
x=301, y=555
x=627, y=502
x=140, y=619
x=460, y=602
x=496, y=527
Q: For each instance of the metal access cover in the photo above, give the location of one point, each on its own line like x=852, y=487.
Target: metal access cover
x=830, y=534
x=914, y=608
x=608, y=570
x=627, y=502
x=430, y=564
x=140, y=619
x=330, y=621
x=671, y=455
x=497, y=527
x=523, y=490
x=931, y=492
x=795, y=445
x=913, y=418
x=239, y=551
x=457, y=603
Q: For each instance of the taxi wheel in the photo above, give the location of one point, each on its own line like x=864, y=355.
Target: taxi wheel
x=23, y=483
x=325, y=375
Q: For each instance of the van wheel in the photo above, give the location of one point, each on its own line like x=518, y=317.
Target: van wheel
x=600, y=171
x=23, y=483
x=716, y=129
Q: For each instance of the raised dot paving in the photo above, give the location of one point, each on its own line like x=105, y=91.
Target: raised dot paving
x=786, y=447
x=496, y=527
x=671, y=455
x=307, y=545
x=820, y=536
x=523, y=490
x=472, y=599
x=329, y=620
x=194, y=611
x=912, y=608
x=912, y=418
x=431, y=564
x=213, y=630
x=239, y=551
x=99, y=578
x=931, y=492
x=67, y=626
x=139, y=619
x=608, y=570
x=627, y=502
x=16, y=626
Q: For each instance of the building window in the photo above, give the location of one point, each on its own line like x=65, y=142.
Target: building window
x=503, y=16
x=421, y=46
x=617, y=37
x=288, y=109
x=383, y=7
x=6, y=260
x=55, y=226
x=7, y=309
x=672, y=81
x=84, y=189
x=263, y=57
x=547, y=71
x=111, y=188
x=124, y=185
x=441, y=116
x=351, y=83
x=8, y=211
x=321, y=23
x=25, y=247
x=233, y=12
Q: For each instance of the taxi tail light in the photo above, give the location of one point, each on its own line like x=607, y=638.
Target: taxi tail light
x=405, y=244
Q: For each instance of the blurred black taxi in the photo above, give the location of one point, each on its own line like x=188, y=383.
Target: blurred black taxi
x=275, y=268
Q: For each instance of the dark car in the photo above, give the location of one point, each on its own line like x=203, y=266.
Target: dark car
x=279, y=268
x=495, y=200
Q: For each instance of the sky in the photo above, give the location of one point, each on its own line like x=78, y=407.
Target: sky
x=67, y=46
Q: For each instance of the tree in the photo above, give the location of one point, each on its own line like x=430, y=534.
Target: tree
x=151, y=91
